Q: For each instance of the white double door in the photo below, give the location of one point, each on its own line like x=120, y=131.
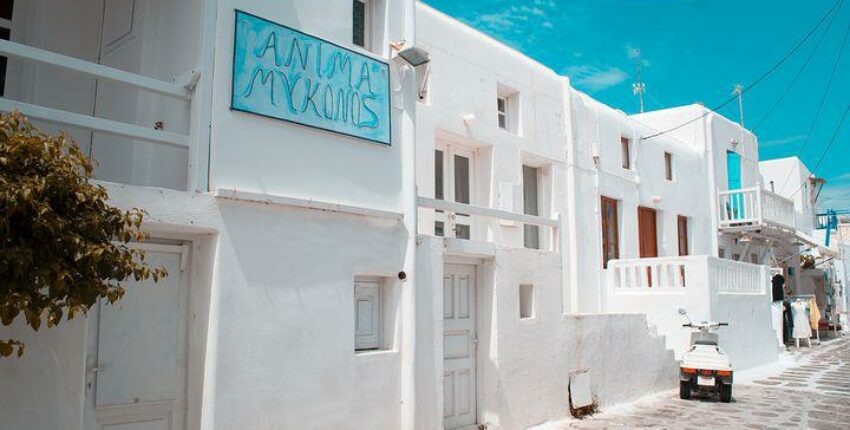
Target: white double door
x=460, y=343
x=136, y=366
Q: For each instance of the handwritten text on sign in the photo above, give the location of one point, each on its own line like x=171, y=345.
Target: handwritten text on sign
x=285, y=74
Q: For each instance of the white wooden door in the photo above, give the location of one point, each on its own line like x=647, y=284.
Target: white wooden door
x=136, y=38
x=459, y=343
x=136, y=353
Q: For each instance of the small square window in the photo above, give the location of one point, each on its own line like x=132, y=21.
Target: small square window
x=668, y=166
x=626, y=152
x=526, y=301
x=374, y=307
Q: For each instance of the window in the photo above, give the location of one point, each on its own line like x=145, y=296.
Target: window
x=6, y=7
x=374, y=306
x=721, y=253
x=507, y=109
x=610, y=231
x=462, y=192
x=361, y=24
x=502, y=112
x=683, y=235
x=526, y=301
x=439, y=226
x=736, y=257
x=754, y=258
x=626, y=152
x=530, y=196
x=668, y=166
x=453, y=179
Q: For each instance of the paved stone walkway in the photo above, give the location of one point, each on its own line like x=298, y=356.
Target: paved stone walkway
x=814, y=394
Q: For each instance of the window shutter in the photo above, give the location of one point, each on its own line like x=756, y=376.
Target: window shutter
x=367, y=303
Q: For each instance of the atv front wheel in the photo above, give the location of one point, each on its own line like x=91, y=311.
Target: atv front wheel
x=725, y=393
x=685, y=390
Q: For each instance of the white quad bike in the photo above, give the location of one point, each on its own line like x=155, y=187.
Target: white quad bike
x=705, y=367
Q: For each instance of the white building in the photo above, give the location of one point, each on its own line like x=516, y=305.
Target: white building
x=483, y=235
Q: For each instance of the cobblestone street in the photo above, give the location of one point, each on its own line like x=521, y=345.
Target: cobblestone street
x=814, y=393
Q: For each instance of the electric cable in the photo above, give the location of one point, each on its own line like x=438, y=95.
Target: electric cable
x=822, y=101
x=759, y=79
x=828, y=146
x=799, y=71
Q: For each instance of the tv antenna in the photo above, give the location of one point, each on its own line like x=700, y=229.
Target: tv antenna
x=638, y=88
x=739, y=91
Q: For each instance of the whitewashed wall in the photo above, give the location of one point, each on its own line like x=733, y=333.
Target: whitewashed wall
x=596, y=132
x=467, y=68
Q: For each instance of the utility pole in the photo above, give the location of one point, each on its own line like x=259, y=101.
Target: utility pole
x=739, y=91
x=638, y=88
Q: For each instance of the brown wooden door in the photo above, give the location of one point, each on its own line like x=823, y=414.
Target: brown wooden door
x=647, y=233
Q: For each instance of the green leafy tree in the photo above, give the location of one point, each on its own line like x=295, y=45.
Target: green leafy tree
x=63, y=248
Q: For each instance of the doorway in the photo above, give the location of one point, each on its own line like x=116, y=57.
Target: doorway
x=460, y=343
x=136, y=351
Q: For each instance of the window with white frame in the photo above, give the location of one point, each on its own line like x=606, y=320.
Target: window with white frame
x=502, y=112
x=362, y=23
x=6, y=7
x=453, y=181
x=374, y=310
x=507, y=109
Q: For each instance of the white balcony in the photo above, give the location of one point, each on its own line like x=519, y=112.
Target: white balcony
x=754, y=208
x=121, y=81
x=675, y=274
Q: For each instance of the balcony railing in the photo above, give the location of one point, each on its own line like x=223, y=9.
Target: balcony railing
x=666, y=274
x=753, y=208
x=469, y=217
x=92, y=123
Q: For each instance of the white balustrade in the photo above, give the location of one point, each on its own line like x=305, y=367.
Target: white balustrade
x=754, y=206
x=735, y=277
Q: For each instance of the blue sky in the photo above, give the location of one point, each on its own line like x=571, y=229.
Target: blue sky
x=695, y=51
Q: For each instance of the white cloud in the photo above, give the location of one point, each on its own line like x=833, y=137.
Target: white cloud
x=594, y=78
x=783, y=140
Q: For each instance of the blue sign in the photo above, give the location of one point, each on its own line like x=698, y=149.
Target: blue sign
x=282, y=73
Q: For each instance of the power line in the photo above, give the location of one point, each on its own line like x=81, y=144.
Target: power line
x=799, y=71
x=822, y=101
x=828, y=146
x=760, y=78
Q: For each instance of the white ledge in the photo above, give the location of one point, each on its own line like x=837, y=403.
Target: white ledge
x=483, y=211
x=233, y=194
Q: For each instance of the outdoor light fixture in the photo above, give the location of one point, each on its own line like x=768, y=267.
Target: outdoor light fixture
x=469, y=119
x=734, y=142
x=414, y=56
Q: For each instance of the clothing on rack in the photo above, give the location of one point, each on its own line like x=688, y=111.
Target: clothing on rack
x=802, y=327
x=814, y=313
